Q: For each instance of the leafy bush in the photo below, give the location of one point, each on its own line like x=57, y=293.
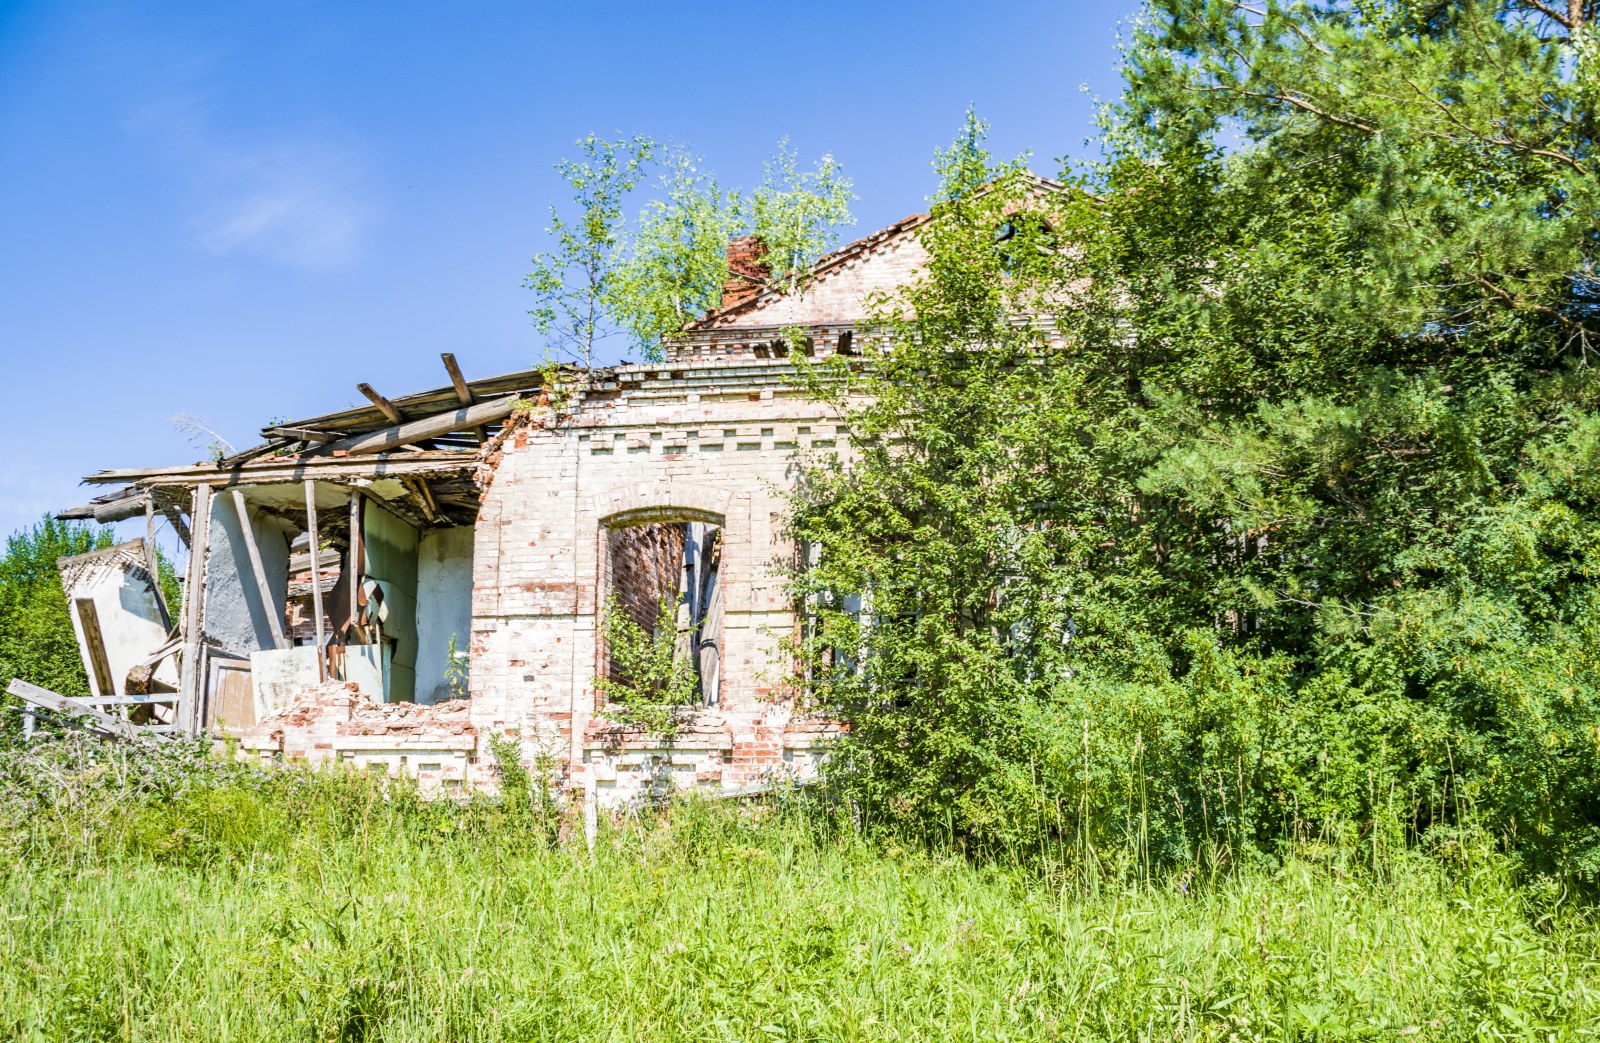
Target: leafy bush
x=654, y=680
x=1282, y=517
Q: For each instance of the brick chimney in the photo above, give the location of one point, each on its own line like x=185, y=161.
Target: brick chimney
x=747, y=270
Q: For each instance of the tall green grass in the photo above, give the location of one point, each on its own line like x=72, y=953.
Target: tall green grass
x=210, y=902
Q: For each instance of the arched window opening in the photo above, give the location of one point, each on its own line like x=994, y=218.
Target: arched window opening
x=664, y=609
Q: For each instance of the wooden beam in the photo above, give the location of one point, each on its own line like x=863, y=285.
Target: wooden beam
x=274, y=619
x=315, y=463
x=191, y=684
x=419, y=488
x=358, y=551
x=457, y=381
x=94, y=642
x=264, y=449
x=175, y=517
x=384, y=405
x=99, y=720
x=463, y=392
x=152, y=561
x=299, y=434
x=462, y=419
x=316, y=578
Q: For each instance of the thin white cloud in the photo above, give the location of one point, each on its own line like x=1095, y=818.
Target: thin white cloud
x=294, y=199
x=298, y=204
x=32, y=491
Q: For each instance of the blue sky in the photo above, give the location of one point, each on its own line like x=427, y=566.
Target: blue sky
x=240, y=210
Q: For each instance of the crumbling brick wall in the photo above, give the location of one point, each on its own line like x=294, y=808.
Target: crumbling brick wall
x=714, y=442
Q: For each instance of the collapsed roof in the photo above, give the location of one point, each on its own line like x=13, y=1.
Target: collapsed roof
x=417, y=452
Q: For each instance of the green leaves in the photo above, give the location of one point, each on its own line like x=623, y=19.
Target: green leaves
x=602, y=277
x=676, y=261
x=1274, y=468
x=797, y=213
x=572, y=282
x=651, y=678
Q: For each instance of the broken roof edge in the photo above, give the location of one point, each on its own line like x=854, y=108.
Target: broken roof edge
x=827, y=263
x=134, y=547
x=117, y=505
x=821, y=269
x=293, y=468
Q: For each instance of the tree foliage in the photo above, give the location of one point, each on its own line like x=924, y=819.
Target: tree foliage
x=677, y=257
x=573, y=281
x=1282, y=519
x=655, y=678
x=647, y=280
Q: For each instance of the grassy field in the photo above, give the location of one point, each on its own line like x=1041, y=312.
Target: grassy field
x=147, y=903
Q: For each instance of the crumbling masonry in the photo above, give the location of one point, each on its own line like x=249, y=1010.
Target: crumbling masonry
x=390, y=586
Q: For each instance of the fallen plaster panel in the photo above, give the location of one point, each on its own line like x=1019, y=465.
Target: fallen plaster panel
x=110, y=594
x=277, y=673
x=235, y=615
x=444, y=607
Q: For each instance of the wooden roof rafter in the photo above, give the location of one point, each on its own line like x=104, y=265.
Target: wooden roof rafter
x=364, y=419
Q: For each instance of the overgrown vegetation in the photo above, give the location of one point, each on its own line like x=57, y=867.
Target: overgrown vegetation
x=1287, y=519
x=153, y=894
x=1221, y=655
x=654, y=679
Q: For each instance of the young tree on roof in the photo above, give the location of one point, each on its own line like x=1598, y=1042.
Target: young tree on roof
x=601, y=277
x=573, y=281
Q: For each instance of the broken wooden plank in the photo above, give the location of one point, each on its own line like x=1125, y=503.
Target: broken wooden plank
x=299, y=434
x=175, y=517
x=125, y=700
x=97, y=720
x=358, y=553
x=264, y=449
x=315, y=550
x=315, y=463
x=457, y=381
x=463, y=419
x=384, y=405
x=191, y=678
x=423, y=403
x=95, y=644
x=152, y=561
x=248, y=532
x=112, y=507
x=463, y=392
x=419, y=489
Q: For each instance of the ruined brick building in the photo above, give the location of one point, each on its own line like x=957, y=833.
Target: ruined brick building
x=389, y=586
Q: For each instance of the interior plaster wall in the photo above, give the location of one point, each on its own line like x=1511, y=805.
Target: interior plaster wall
x=236, y=616
x=444, y=607
x=390, y=546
